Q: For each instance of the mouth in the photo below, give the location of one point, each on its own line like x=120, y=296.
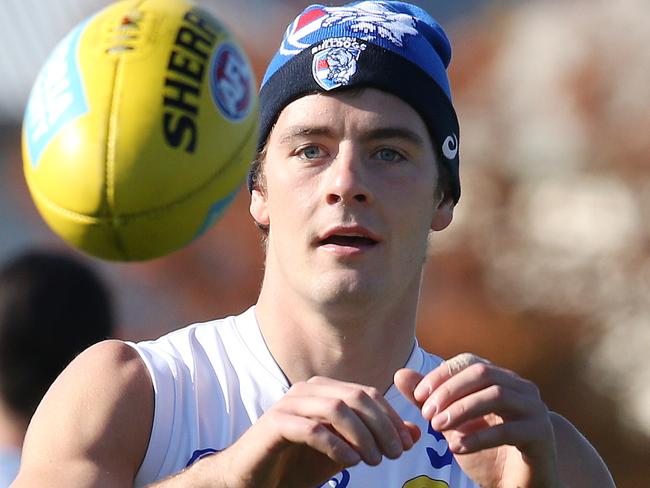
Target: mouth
x=348, y=240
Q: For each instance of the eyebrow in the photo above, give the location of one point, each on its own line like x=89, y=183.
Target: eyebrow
x=371, y=135
x=298, y=131
x=394, y=133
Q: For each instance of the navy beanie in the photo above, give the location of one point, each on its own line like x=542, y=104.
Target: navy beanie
x=392, y=46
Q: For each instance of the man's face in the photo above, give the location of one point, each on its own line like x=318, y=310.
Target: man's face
x=349, y=198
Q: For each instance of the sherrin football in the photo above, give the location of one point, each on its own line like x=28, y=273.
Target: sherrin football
x=139, y=129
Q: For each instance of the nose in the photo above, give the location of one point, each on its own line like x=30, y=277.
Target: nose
x=347, y=179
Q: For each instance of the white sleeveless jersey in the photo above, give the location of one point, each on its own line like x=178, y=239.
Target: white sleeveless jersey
x=212, y=381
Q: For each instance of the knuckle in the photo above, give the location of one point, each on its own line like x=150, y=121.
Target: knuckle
x=337, y=406
x=527, y=387
x=532, y=388
x=312, y=428
x=498, y=392
x=482, y=370
x=337, y=450
x=373, y=393
x=357, y=395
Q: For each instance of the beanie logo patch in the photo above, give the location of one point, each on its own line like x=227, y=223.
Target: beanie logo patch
x=335, y=61
x=450, y=147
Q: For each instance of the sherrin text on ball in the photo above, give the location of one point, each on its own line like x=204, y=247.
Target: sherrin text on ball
x=139, y=129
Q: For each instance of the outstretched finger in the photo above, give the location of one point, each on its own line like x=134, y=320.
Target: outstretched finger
x=507, y=403
x=479, y=379
x=446, y=370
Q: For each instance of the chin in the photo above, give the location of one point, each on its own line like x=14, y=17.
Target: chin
x=348, y=291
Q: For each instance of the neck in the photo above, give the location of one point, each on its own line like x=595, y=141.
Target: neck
x=12, y=427
x=364, y=345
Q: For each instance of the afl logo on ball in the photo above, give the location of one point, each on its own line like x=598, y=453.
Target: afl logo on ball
x=231, y=82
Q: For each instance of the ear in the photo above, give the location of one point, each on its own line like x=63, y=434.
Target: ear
x=258, y=207
x=443, y=214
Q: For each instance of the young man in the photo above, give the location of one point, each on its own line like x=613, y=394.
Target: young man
x=322, y=383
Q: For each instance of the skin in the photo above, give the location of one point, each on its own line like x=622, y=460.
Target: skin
x=334, y=162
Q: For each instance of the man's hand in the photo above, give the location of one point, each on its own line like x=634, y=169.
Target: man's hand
x=318, y=428
x=495, y=422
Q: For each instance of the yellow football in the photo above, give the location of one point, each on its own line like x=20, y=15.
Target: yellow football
x=139, y=129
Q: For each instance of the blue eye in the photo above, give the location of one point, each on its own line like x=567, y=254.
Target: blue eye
x=311, y=152
x=389, y=155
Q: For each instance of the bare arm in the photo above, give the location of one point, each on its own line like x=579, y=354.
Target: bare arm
x=92, y=427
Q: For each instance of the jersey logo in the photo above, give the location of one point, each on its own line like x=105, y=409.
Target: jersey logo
x=369, y=20
x=439, y=454
x=425, y=482
x=199, y=454
x=341, y=480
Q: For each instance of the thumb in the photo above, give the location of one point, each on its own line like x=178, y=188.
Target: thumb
x=406, y=380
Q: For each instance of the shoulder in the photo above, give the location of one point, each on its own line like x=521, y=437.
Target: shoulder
x=579, y=463
x=183, y=341
x=96, y=417
x=108, y=379
x=179, y=353
x=107, y=370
